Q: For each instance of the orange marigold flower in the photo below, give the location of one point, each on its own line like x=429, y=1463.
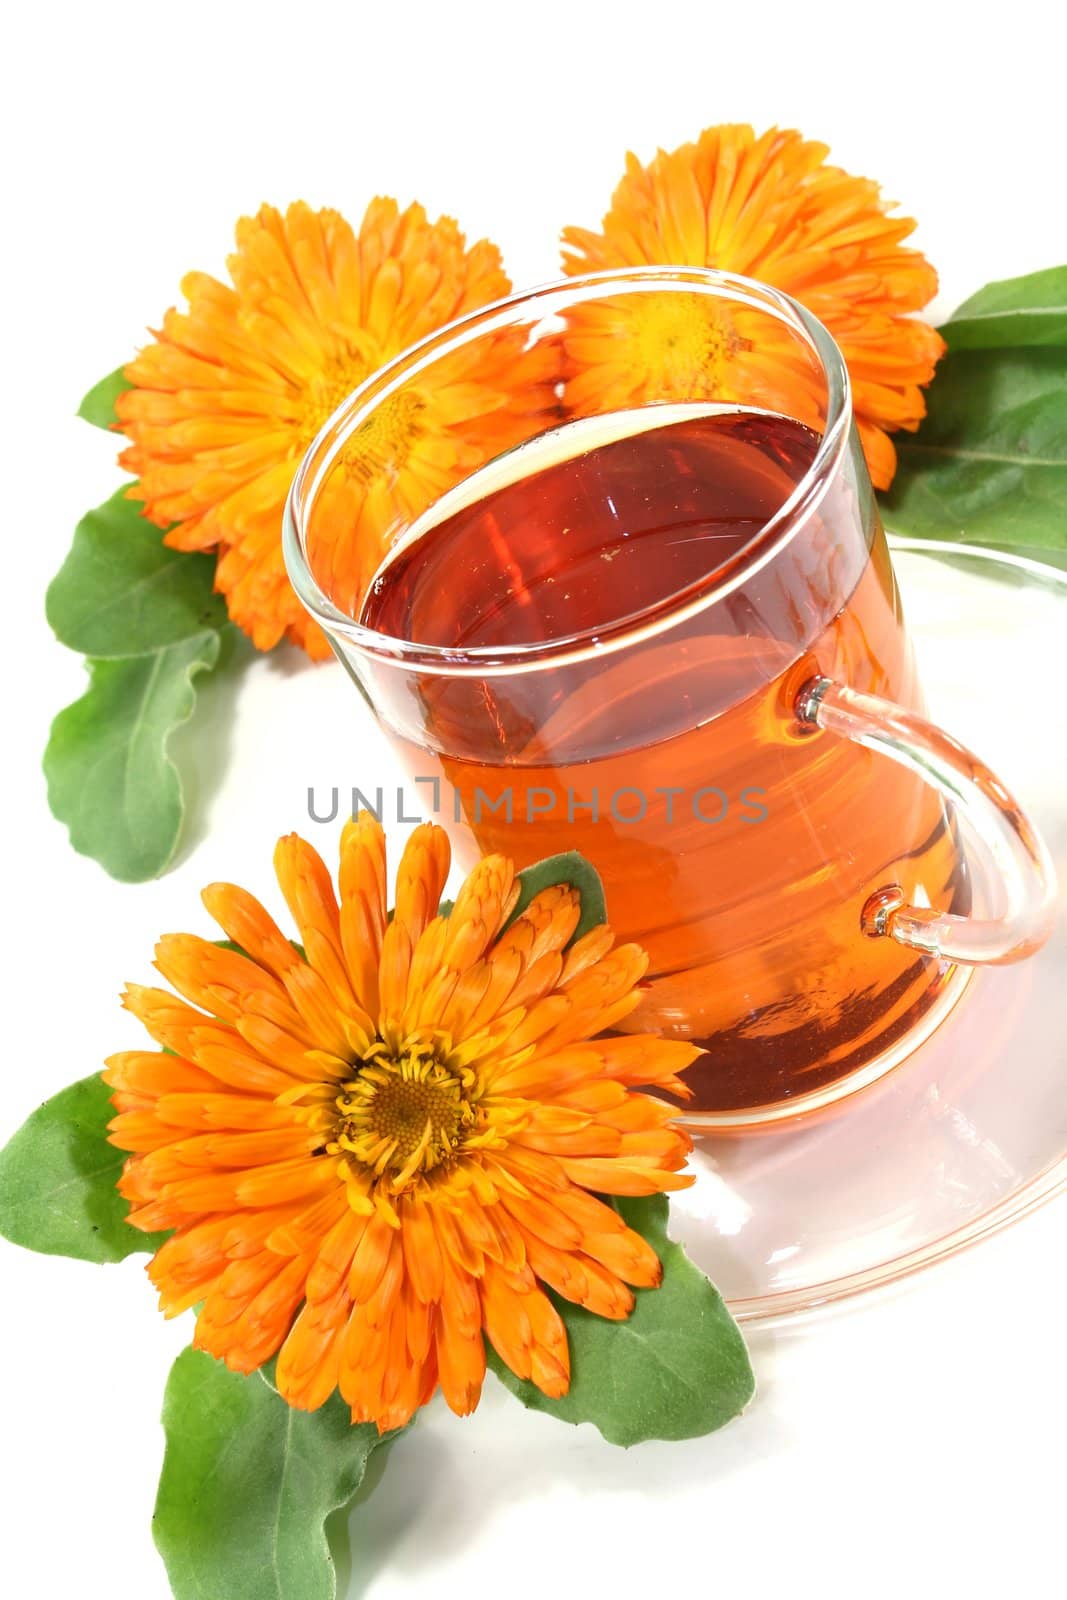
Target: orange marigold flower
x=770, y=208
x=231, y=392
x=375, y=1151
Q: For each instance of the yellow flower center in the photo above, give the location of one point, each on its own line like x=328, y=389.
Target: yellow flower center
x=382, y=445
x=685, y=343
x=402, y=1114
x=326, y=390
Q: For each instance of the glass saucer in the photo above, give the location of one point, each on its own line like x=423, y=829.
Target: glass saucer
x=969, y=1132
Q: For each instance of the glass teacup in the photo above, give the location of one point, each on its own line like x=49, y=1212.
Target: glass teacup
x=668, y=635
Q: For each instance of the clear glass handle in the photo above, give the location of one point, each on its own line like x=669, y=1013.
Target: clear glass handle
x=1023, y=864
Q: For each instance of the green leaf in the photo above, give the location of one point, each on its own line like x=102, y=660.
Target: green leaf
x=58, y=1177
x=570, y=867
x=110, y=778
x=98, y=406
x=677, y=1368
x=122, y=592
x=1031, y=310
x=248, y=1484
x=989, y=464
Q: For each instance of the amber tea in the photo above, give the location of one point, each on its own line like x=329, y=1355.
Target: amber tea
x=736, y=845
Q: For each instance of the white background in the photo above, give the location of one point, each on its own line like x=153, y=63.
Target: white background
x=911, y=1443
